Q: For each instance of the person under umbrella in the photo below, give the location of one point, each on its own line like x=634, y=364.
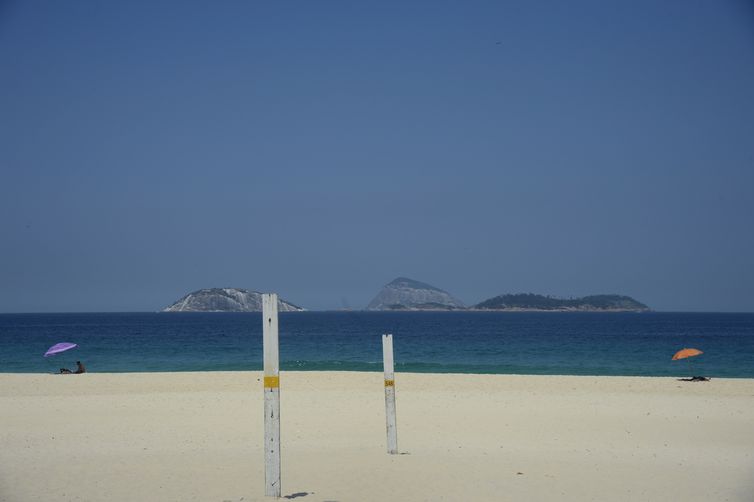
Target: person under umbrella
x=688, y=354
x=80, y=368
x=62, y=347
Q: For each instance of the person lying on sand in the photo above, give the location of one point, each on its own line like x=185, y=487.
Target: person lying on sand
x=695, y=379
x=79, y=369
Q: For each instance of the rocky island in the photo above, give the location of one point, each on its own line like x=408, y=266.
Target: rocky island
x=225, y=300
x=593, y=303
x=407, y=294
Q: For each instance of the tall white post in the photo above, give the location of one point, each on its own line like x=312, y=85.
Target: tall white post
x=271, y=395
x=387, y=359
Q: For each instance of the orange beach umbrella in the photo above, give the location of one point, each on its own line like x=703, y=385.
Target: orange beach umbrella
x=684, y=353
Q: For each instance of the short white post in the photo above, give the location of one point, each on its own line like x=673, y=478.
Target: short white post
x=387, y=359
x=271, y=395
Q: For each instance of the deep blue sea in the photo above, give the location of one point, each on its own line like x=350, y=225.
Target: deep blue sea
x=459, y=342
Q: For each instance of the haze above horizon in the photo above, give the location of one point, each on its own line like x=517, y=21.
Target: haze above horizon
x=319, y=151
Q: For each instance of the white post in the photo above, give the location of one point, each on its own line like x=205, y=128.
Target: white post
x=387, y=359
x=271, y=395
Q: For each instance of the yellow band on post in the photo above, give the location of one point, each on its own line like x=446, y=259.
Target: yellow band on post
x=271, y=382
x=389, y=383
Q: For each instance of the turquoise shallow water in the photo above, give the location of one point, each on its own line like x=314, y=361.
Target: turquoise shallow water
x=459, y=342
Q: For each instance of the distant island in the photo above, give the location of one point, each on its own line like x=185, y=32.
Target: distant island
x=225, y=300
x=593, y=303
x=403, y=293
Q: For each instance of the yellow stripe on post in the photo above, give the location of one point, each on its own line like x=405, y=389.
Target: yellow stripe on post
x=271, y=382
x=389, y=383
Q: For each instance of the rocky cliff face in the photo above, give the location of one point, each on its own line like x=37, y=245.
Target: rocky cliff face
x=407, y=294
x=225, y=300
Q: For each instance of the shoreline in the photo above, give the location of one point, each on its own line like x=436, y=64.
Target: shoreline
x=678, y=378
x=184, y=435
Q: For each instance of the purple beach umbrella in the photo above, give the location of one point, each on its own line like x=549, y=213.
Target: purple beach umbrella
x=60, y=347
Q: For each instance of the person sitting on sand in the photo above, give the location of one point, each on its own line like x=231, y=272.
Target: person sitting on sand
x=79, y=369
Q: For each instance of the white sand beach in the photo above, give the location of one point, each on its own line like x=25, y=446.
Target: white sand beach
x=198, y=436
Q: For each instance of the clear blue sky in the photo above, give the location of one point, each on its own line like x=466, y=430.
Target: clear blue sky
x=320, y=149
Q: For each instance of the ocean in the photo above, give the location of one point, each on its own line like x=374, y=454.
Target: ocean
x=548, y=343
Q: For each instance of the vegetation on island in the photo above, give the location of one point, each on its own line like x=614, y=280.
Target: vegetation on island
x=405, y=282
x=529, y=301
